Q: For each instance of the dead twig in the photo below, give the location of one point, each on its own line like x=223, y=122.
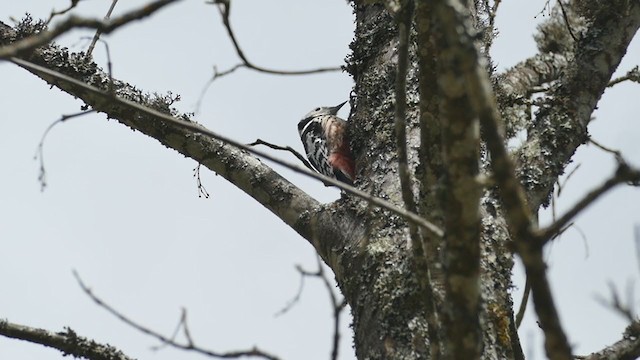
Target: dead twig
x=190, y=346
x=624, y=174
x=302, y=159
x=54, y=13
x=39, y=155
x=631, y=75
x=337, y=305
x=44, y=37
x=97, y=35
x=202, y=191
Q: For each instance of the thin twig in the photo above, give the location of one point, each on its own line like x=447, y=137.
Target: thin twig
x=631, y=75
x=523, y=304
x=44, y=37
x=189, y=346
x=98, y=32
x=616, y=153
x=224, y=7
x=617, y=305
x=191, y=126
x=39, y=155
x=54, y=13
x=202, y=191
x=622, y=175
x=566, y=21
x=302, y=159
x=296, y=298
x=337, y=305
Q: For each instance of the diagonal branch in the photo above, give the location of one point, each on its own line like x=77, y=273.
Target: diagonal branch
x=622, y=175
x=190, y=346
x=224, y=6
x=104, y=26
x=626, y=348
x=561, y=123
x=67, y=341
x=149, y=115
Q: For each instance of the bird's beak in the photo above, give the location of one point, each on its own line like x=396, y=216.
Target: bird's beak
x=334, y=110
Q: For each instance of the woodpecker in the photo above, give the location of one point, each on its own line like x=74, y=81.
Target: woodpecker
x=325, y=140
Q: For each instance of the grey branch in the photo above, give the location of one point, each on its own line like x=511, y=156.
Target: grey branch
x=191, y=126
x=632, y=75
x=190, y=346
x=624, y=174
x=561, y=123
x=45, y=37
x=225, y=9
x=154, y=117
x=67, y=341
x=627, y=348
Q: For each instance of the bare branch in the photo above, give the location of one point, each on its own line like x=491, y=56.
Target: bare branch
x=67, y=341
x=623, y=174
x=97, y=35
x=190, y=346
x=631, y=75
x=202, y=191
x=299, y=156
x=561, y=123
x=616, y=153
x=22, y=46
x=523, y=303
x=627, y=348
x=54, y=13
x=42, y=176
x=47, y=73
x=224, y=6
x=566, y=20
x=337, y=305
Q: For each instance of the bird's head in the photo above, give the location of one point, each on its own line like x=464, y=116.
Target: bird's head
x=323, y=110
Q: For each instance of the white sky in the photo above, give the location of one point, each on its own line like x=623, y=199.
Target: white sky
x=124, y=211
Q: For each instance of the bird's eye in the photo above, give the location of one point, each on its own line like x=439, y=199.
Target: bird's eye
x=317, y=109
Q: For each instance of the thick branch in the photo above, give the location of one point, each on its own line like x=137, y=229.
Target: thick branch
x=461, y=148
x=561, y=124
x=522, y=78
x=150, y=116
x=67, y=341
x=420, y=258
x=478, y=88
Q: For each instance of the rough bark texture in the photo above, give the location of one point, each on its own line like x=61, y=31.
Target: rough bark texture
x=468, y=311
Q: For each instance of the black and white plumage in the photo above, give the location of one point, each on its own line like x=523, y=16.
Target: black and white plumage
x=324, y=136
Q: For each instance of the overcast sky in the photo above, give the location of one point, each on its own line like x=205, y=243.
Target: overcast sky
x=125, y=213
